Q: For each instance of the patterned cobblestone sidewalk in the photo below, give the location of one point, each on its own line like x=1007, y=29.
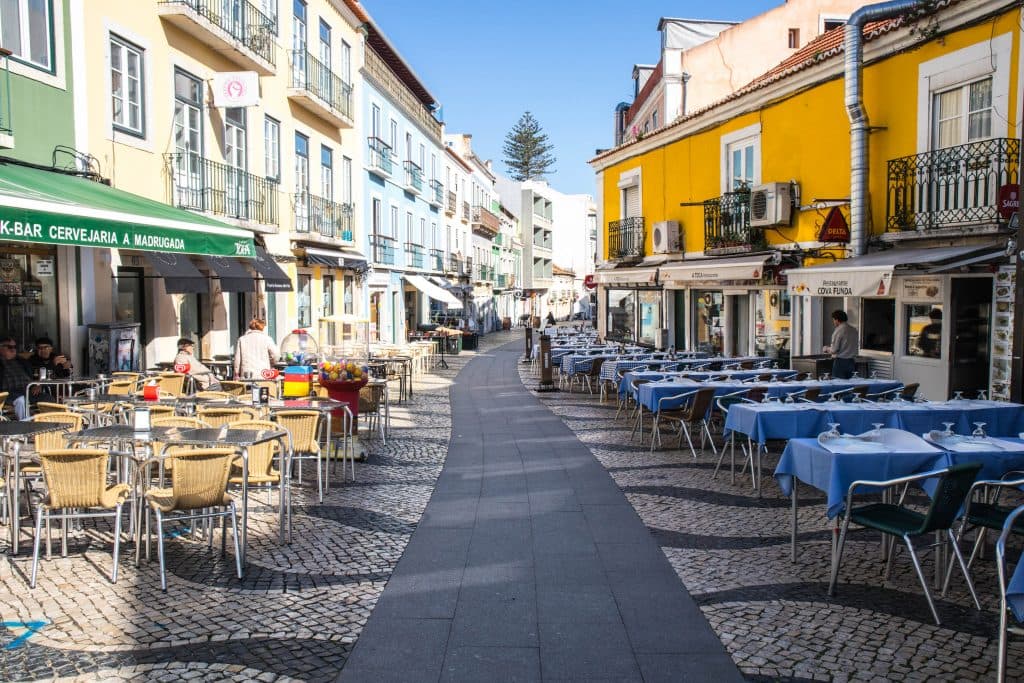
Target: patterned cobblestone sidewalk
x=295, y=615
x=731, y=550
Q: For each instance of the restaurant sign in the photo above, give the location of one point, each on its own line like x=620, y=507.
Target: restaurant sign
x=840, y=282
x=927, y=288
x=835, y=228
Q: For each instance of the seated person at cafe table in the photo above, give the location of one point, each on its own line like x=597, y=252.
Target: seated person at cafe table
x=57, y=365
x=16, y=374
x=203, y=376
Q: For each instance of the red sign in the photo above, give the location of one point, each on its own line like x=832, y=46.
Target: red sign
x=589, y=283
x=182, y=368
x=1009, y=200
x=269, y=373
x=835, y=227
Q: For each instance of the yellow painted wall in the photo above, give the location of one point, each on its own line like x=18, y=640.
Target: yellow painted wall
x=804, y=137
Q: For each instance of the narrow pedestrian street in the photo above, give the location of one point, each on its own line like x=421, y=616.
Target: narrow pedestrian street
x=529, y=563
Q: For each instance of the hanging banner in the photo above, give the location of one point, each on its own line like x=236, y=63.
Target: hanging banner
x=236, y=89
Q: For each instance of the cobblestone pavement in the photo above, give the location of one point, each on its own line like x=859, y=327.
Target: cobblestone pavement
x=295, y=615
x=731, y=551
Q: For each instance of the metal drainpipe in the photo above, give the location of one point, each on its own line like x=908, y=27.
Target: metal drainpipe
x=853, y=39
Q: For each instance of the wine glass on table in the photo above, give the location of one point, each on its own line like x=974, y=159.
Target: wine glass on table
x=876, y=431
x=979, y=431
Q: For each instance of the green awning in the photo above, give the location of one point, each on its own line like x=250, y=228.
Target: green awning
x=50, y=207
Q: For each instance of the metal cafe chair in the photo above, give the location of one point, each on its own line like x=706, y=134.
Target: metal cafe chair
x=693, y=412
x=1011, y=525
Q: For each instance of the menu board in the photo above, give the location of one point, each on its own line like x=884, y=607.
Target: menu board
x=1002, y=332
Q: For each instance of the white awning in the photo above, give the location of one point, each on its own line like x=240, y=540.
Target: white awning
x=715, y=270
x=871, y=274
x=626, y=276
x=433, y=291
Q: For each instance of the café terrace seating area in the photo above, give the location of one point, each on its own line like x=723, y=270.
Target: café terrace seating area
x=150, y=451
x=940, y=480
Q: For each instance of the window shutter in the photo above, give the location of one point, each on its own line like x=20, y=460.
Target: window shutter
x=631, y=200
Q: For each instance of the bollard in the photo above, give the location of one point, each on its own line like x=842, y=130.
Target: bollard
x=529, y=345
x=546, y=381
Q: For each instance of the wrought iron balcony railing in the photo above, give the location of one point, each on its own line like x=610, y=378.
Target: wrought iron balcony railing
x=383, y=248
x=311, y=75
x=465, y=211
x=203, y=185
x=413, y=255
x=413, y=177
x=727, y=224
x=625, y=239
x=240, y=19
x=435, y=260
x=455, y=265
x=436, y=193
x=503, y=281
x=380, y=157
x=951, y=187
x=450, y=207
x=323, y=217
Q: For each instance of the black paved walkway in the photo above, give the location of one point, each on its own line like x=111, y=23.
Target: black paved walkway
x=529, y=563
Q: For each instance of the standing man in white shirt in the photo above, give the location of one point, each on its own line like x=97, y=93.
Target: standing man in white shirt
x=844, y=347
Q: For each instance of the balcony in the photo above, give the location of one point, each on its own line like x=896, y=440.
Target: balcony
x=436, y=194
x=727, y=225
x=316, y=88
x=484, y=273
x=413, y=178
x=235, y=29
x=541, y=220
x=465, y=212
x=413, y=255
x=435, y=260
x=499, y=239
x=625, y=239
x=954, y=187
x=485, y=223
x=449, y=209
x=379, y=160
x=455, y=266
x=6, y=126
x=199, y=184
x=383, y=248
x=542, y=239
x=321, y=219
x=381, y=73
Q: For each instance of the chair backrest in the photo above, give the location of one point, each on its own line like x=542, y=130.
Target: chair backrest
x=54, y=441
x=218, y=417
x=800, y=377
x=369, y=399
x=949, y=496
x=75, y=477
x=747, y=365
x=909, y=391
x=303, y=426
x=701, y=404
x=121, y=387
x=755, y=394
x=861, y=390
x=812, y=393
x=273, y=387
x=214, y=394
x=764, y=377
x=171, y=383
x=48, y=407
x=595, y=366
x=158, y=411
x=199, y=477
x=261, y=456
x=233, y=388
x=180, y=421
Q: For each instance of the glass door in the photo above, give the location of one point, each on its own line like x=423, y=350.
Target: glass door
x=301, y=183
x=188, y=142
x=235, y=155
x=299, y=44
x=324, y=72
x=707, y=321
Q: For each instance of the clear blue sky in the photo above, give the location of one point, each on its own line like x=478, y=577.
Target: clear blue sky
x=567, y=61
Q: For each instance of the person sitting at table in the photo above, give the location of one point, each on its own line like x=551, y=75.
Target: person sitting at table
x=255, y=351
x=202, y=375
x=57, y=365
x=15, y=376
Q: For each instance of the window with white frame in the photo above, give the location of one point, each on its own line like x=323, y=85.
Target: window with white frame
x=126, y=85
x=963, y=114
x=272, y=149
x=346, y=62
x=326, y=173
x=346, y=180
x=375, y=216
x=741, y=158
x=394, y=222
x=26, y=29
x=375, y=121
x=393, y=137
x=408, y=226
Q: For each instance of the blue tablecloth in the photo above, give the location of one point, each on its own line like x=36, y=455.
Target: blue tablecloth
x=761, y=422
x=650, y=393
x=833, y=473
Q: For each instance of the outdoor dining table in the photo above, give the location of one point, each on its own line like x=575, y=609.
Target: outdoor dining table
x=14, y=435
x=701, y=375
x=832, y=472
x=650, y=393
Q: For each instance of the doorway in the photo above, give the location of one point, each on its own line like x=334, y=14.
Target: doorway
x=131, y=305
x=738, y=341
x=971, y=319
x=679, y=324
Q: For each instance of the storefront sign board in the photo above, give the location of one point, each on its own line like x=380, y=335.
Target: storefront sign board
x=840, y=281
x=44, y=267
x=922, y=288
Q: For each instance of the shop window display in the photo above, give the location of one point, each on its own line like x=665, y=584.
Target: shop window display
x=28, y=296
x=708, y=321
x=621, y=313
x=878, y=325
x=924, y=330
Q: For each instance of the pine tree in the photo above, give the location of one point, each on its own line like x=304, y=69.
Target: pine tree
x=527, y=150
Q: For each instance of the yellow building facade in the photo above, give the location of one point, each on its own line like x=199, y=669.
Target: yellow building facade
x=281, y=164
x=686, y=263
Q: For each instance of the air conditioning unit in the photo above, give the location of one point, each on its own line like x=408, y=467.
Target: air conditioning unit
x=771, y=204
x=666, y=237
